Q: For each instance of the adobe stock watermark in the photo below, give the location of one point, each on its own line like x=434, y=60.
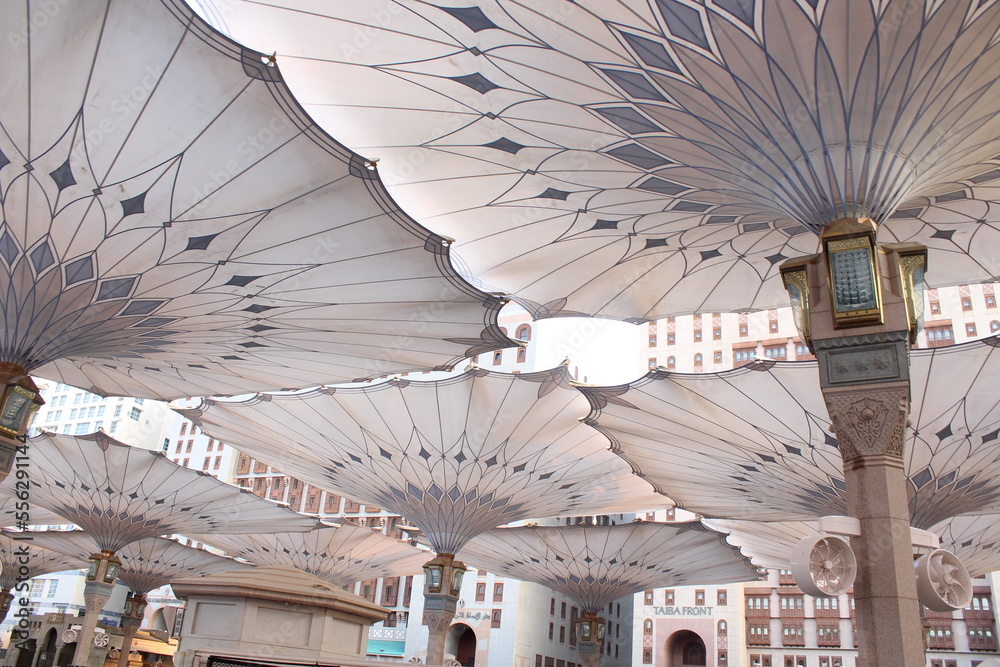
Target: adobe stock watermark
x=33, y=23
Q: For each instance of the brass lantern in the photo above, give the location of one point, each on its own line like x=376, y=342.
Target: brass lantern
x=852, y=263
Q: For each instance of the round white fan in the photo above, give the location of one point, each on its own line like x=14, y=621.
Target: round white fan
x=824, y=565
x=114, y=654
x=70, y=636
x=101, y=639
x=943, y=583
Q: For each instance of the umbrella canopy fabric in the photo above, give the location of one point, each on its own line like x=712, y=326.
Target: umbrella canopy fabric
x=146, y=564
x=120, y=494
x=755, y=442
x=637, y=159
x=455, y=456
x=18, y=550
x=11, y=517
x=340, y=555
x=973, y=538
x=596, y=565
x=174, y=224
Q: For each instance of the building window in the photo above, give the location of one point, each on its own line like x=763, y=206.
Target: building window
x=647, y=656
x=647, y=597
x=716, y=333
x=966, y=303
x=672, y=362
x=562, y=610
x=498, y=593
x=497, y=357
x=524, y=332
x=722, y=597
x=562, y=634
x=772, y=320
x=697, y=335
x=697, y=359
x=668, y=598
x=671, y=338
x=647, y=626
x=522, y=354
x=134, y=414
x=776, y=351
x=699, y=598
x=495, y=619
x=939, y=336
x=652, y=363
x=970, y=329
x=723, y=628
x=717, y=357
x=652, y=334
x=991, y=301
x=552, y=631
x=552, y=602
x=994, y=327
x=184, y=428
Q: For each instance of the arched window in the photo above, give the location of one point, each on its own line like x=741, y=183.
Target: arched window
x=723, y=628
x=521, y=355
x=647, y=626
x=524, y=332
x=994, y=326
x=671, y=363
x=697, y=359
x=647, y=657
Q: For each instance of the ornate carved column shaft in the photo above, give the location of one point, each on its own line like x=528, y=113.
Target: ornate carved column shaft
x=870, y=423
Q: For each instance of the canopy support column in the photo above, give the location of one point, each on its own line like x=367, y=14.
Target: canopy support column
x=442, y=586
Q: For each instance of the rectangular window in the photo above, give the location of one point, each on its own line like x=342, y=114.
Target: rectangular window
x=498, y=593
x=970, y=329
x=668, y=597
x=699, y=598
x=647, y=597
x=81, y=428
x=721, y=597
x=562, y=610
x=562, y=634
x=134, y=414
x=118, y=411
x=552, y=630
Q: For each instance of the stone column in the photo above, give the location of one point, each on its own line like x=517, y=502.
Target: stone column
x=442, y=585
x=96, y=593
x=131, y=621
x=590, y=638
x=870, y=423
x=5, y=603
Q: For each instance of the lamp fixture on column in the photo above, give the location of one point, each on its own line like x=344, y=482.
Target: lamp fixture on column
x=854, y=266
x=19, y=401
x=103, y=568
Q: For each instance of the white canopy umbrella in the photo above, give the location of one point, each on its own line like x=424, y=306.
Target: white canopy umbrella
x=340, y=555
x=596, y=565
x=637, y=159
x=120, y=494
x=174, y=224
x=455, y=456
x=755, y=442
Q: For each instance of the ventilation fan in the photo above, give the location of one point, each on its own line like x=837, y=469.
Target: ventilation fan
x=824, y=565
x=101, y=639
x=943, y=583
x=70, y=636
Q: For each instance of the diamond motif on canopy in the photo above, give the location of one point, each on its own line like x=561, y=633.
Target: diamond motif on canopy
x=146, y=564
x=120, y=494
x=16, y=554
x=973, y=538
x=174, y=224
x=729, y=128
x=596, y=565
x=755, y=442
x=455, y=456
x=340, y=555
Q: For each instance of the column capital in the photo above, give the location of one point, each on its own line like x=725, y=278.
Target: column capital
x=869, y=420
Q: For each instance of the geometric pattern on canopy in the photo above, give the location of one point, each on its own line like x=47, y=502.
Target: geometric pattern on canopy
x=16, y=554
x=975, y=539
x=146, y=564
x=174, y=224
x=596, y=565
x=120, y=494
x=455, y=456
x=643, y=158
x=340, y=555
x=755, y=442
